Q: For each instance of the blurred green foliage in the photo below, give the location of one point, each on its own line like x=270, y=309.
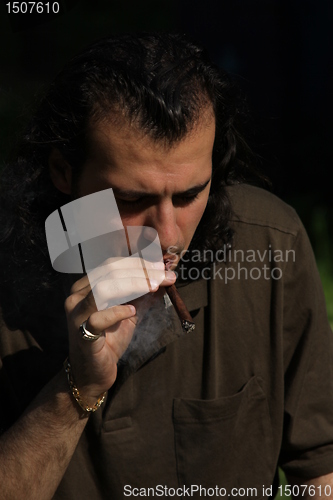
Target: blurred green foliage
x=283, y=481
x=321, y=219
x=318, y=221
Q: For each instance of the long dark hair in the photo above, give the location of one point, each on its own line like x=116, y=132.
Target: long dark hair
x=163, y=82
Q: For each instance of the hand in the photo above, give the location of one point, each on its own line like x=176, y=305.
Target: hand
x=94, y=364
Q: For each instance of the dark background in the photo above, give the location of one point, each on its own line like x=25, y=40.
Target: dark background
x=279, y=51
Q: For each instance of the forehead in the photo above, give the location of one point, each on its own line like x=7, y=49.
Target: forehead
x=119, y=142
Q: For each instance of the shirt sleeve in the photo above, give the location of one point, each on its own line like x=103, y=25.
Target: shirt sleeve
x=307, y=446
x=25, y=368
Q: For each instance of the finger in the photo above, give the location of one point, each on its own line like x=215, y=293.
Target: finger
x=112, y=264
x=107, y=293
x=108, y=323
x=124, y=286
x=132, y=262
x=127, y=265
x=169, y=279
x=102, y=320
x=80, y=285
x=110, y=292
x=151, y=274
x=114, y=292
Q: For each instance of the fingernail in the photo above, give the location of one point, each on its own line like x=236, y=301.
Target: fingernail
x=132, y=308
x=170, y=275
x=154, y=284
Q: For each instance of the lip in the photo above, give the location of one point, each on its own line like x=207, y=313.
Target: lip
x=170, y=257
x=170, y=262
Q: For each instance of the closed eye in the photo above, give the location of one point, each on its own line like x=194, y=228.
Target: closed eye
x=133, y=200
x=184, y=200
x=131, y=203
x=143, y=201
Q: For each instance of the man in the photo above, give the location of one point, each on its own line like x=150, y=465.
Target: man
x=209, y=413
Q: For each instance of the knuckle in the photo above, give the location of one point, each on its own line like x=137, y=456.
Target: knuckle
x=103, y=288
x=70, y=303
x=100, y=289
x=79, y=284
x=93, y=321
x=73, y=289
x=113, y=274
x=110, y=261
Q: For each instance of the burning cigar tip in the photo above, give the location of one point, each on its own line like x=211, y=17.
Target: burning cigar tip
x=188, y=326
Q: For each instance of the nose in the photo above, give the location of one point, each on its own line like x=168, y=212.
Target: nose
x=163, y=218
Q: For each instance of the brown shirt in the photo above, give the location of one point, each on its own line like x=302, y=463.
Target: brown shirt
x=250, y=389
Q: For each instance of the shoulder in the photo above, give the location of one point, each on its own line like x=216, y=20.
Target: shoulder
x=257, y=207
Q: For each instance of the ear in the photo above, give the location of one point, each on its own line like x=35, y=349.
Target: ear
x=60, y=172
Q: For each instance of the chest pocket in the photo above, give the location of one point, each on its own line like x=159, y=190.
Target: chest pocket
x=225, y=442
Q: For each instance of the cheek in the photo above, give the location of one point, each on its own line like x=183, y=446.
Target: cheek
x=189, y=219
x=201, y=207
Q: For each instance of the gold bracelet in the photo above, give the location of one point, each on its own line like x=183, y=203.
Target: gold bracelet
x=75, y=391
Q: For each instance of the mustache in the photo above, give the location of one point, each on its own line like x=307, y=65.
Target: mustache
x=173, y=253
x=170, y=259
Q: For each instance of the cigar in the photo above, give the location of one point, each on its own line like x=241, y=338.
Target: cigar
x=186, y=320
x=181, y=309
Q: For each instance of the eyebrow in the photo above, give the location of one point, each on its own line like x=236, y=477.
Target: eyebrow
x=125, y=193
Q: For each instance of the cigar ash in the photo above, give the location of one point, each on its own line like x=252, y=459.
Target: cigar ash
x=186, y=320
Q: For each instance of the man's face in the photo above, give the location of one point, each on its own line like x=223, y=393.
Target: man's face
x=154, y=185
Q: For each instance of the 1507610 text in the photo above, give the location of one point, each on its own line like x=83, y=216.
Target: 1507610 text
x=33, y=7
